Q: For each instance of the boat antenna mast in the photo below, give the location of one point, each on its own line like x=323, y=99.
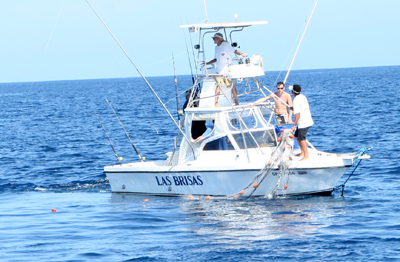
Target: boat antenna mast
x=205, y=9
x=301, y=39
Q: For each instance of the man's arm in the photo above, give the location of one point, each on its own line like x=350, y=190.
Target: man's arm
x=212, y=61
x=261, y=100
x=290, y=109
x=240, y=53
x=296, y=120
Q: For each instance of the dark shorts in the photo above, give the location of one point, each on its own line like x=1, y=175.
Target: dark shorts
x=301, y=133
x=280, y=119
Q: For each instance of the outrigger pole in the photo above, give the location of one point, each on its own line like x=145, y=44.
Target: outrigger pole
x=301, y=39
x=148, y=84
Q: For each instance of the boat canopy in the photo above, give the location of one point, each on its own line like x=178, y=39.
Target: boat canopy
x=217, y=26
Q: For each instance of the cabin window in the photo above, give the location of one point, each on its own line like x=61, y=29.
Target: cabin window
x=265, y=138
x=222, y=143
x=248, y=117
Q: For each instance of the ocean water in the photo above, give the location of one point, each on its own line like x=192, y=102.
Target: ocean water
x=53, y=150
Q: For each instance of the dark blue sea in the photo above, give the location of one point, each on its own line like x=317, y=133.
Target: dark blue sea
x=53, y=150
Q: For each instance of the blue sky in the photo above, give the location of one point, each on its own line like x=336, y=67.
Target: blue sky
x=342, y=33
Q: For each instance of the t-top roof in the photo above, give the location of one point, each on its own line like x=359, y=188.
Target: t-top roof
x=225, y=25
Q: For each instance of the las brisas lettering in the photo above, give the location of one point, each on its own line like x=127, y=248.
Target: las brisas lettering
x=179, y=180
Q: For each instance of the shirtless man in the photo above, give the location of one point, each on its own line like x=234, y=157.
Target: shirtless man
x=283, y=113
x=223, y=56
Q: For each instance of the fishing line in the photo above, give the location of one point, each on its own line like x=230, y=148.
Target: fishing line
x=181, y=93
x=148, y=84
x=163, y=60
x=54, y=27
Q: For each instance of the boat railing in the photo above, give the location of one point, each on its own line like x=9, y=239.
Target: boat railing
x=238, y=68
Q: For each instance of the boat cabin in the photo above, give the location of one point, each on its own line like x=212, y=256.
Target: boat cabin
x=242, y=130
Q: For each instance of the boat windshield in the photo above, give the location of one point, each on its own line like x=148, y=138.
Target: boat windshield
x=249, y=129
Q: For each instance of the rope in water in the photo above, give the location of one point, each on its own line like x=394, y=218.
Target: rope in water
x=356, y=156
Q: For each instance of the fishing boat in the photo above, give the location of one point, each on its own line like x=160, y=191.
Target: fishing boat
x=243, y=152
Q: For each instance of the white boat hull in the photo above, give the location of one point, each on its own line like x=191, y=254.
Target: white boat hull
x=175, y=181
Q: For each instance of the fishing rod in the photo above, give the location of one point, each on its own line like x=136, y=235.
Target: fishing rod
x=176, y=91
x=187, y=51
x=126, y=133
x=119, y=158
x=191, y=44
x=140, y=73
x=295, y=54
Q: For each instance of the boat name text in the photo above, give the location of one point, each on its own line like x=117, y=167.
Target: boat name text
x=277, y=173
x=179, y=180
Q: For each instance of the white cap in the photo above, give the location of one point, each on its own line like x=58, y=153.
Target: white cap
x=218, y=35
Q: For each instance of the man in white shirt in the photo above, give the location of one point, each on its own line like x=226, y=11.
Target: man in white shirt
x=223, y=52
x=303, y=120
x=223, y=57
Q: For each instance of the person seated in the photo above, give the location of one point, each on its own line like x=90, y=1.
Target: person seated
x=198, y=126
x=218, y=144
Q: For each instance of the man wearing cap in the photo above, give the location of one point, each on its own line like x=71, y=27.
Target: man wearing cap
x=223, y=52
x=303, y=120
x=223, y=57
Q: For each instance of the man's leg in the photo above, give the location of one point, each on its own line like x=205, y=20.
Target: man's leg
x=300, y=135
x=303, y=148
x=234, y=92
x=217, y=92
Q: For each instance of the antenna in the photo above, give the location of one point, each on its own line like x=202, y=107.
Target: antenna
x=205, y=8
